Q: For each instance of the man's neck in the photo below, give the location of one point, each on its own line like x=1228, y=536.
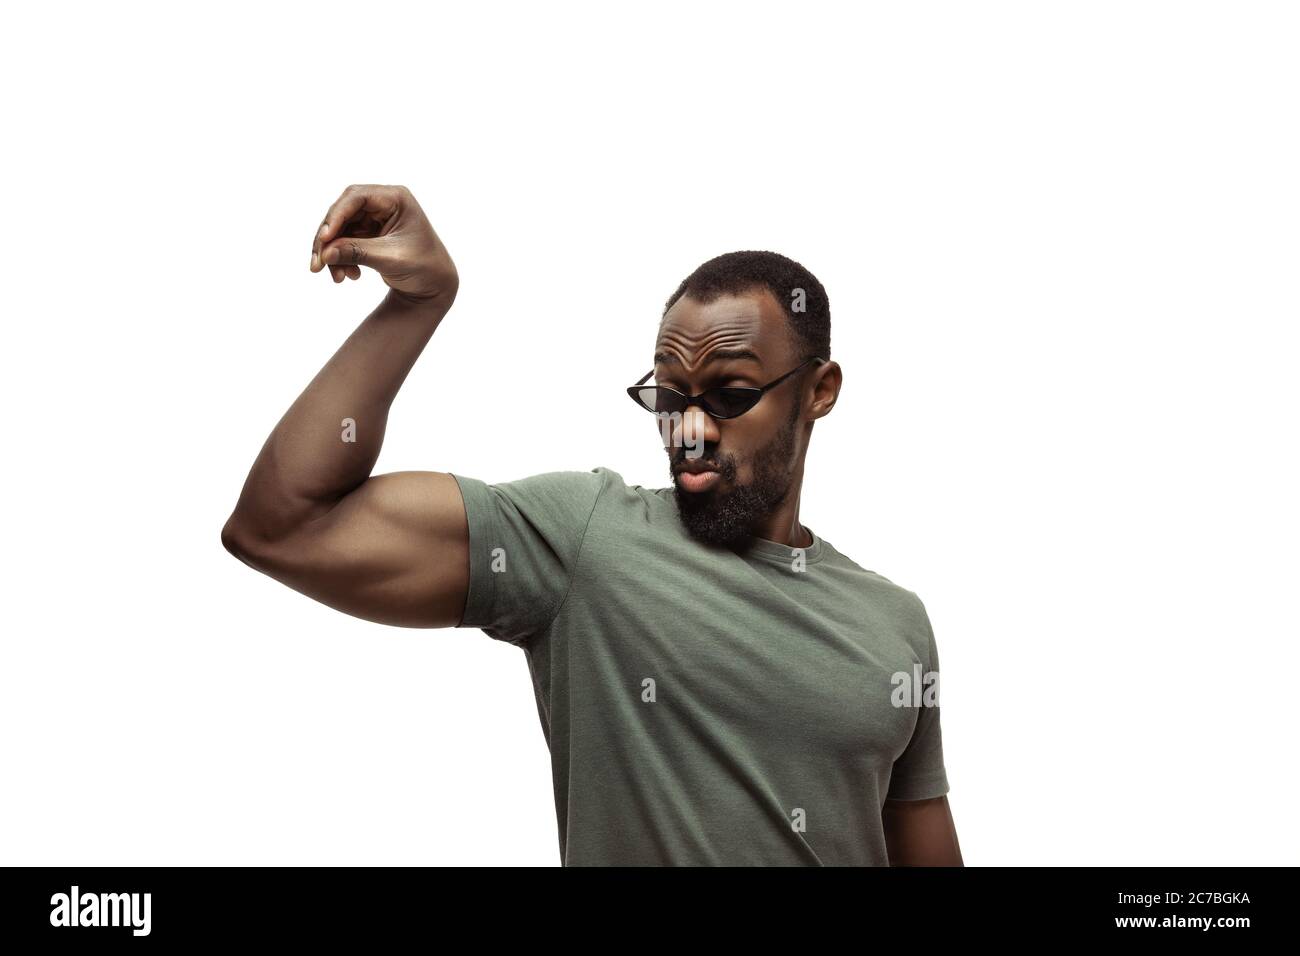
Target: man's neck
x=783, y=525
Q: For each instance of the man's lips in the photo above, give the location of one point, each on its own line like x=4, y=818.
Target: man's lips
x=695, y=465
x=697, y=475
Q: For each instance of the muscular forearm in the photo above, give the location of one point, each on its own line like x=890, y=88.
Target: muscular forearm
x=328, y=441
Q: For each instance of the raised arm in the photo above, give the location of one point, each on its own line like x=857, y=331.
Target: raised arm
x=389, y=548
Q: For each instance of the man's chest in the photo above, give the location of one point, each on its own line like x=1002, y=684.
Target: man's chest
x=766, y=657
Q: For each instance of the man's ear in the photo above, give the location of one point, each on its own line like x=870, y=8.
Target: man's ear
x=827, y=381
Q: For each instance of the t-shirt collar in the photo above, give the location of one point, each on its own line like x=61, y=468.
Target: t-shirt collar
x=782, y=553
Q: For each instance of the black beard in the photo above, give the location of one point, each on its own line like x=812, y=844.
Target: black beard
x=728, y=518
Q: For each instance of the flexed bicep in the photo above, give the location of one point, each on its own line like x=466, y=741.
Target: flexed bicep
x=394, y=550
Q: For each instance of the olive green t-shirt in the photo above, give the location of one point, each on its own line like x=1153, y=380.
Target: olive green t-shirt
x=704, y=705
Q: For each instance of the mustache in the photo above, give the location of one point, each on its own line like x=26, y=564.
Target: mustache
x=722, y=464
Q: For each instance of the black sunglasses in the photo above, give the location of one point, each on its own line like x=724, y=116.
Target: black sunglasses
x=719, y=402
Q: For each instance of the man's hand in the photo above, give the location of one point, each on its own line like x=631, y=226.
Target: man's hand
x=383, y=227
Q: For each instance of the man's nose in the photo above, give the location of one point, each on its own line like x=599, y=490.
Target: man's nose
x=695, y=429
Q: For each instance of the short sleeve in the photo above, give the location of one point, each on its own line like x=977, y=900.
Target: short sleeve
x=919, y=773
x=524, y=541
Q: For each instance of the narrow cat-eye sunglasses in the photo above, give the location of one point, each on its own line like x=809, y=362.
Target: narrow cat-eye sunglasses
x=727, y=401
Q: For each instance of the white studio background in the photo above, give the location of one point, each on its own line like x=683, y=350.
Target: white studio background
x=1060, y=242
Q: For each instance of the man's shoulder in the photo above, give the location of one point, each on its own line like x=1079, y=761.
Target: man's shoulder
x=617, y=495
x=598, y=480
x=843, y=559
x=895, y=595
x=600, y=489
x=614, y=479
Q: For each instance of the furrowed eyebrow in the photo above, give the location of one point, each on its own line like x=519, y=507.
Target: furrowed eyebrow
x=721, y=355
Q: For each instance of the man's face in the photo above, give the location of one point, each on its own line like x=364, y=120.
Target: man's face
x=745, y=465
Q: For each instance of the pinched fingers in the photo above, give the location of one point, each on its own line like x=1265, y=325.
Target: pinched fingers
x=363, y=203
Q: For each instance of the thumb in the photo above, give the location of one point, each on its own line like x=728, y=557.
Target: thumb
x=349, y=251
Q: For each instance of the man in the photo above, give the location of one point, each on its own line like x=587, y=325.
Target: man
x=718, y=685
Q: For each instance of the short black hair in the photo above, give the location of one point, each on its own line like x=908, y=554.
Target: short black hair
x=735, y=272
